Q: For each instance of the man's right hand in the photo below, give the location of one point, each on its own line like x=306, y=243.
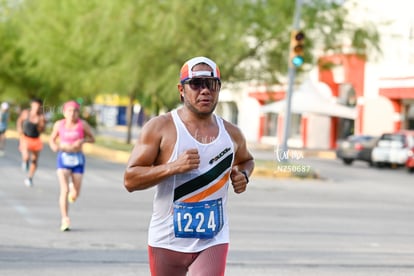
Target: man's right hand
x=187, y=161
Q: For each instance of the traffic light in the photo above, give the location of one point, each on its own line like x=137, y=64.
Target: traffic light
x=296, y=55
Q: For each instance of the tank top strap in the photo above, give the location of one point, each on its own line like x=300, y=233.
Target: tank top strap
x=179, y=125
x=220, y=123
x=175, y=117
x=182, y=131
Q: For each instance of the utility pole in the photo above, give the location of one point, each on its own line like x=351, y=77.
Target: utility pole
x=291, y=80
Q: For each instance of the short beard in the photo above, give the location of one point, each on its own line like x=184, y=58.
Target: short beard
x=197, y=112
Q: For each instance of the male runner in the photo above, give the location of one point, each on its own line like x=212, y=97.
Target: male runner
x=191, y=155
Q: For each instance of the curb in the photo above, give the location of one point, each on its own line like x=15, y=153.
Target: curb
x=122, y=157
x=268, y=173
x=89, y=149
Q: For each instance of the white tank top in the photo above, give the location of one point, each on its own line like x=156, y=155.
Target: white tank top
x=207, y=183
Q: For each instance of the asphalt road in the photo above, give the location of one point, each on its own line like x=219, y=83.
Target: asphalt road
x=355, y=221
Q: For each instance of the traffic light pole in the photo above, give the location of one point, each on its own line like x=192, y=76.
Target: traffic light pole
x=289, y=92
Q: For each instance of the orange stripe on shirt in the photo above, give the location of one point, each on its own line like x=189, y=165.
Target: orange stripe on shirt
x=209, y=191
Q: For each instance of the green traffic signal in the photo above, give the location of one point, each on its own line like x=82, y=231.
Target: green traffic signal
x=298, y=61
x=296, y=55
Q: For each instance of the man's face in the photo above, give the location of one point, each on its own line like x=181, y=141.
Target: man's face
x=200, y=94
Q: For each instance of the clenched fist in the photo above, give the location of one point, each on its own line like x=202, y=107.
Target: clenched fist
x=238, y=180
x=188, y=160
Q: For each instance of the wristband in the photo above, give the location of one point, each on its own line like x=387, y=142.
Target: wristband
x=245, y=175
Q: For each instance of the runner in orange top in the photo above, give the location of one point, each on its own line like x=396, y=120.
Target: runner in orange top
x=30, y=124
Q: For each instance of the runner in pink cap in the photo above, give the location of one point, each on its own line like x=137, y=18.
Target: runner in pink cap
x=67, y=139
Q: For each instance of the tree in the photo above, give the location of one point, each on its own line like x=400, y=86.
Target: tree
x=69, y=49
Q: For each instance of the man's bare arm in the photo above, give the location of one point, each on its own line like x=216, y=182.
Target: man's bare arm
x=144, y=169
x=243, y=164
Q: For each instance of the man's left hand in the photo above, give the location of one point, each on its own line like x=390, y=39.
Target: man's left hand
x=238, y=180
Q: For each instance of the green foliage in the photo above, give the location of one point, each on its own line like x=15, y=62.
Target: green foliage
x=60, y=50
x=91, y=121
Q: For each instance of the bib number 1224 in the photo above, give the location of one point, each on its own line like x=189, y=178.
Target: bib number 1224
x=201, y=220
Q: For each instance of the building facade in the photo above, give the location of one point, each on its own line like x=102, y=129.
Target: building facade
x=353, y=95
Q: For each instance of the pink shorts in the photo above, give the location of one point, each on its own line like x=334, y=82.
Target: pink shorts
x=211, y=261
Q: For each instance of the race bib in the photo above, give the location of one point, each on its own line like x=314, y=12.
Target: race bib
x=72, y=159
x=202, y=220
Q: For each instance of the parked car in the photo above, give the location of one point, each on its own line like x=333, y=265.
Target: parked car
x=393, y=148
x=409, y=164
x=356, y=147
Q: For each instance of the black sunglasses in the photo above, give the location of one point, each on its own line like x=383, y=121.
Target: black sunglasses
x=211, y=84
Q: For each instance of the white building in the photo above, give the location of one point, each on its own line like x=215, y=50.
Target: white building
x=381, y=87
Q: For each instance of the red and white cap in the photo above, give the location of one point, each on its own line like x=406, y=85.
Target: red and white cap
x=187, y=72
